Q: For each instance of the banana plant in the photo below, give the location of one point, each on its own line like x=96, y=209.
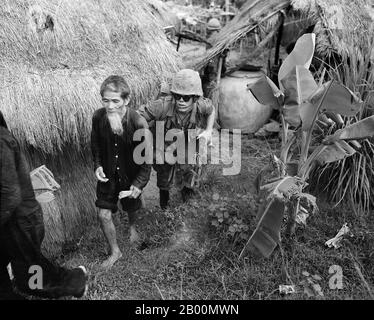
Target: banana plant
x=303, y=105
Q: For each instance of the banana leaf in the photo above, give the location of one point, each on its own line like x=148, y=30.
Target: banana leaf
x=333, y=152
x=299, y=85
x=266, y=92
x=337, y=100
x=358, y=130
x=283, y=188
x=291, y=115
x=341, y=100
x=301, y=55
x=267, y=234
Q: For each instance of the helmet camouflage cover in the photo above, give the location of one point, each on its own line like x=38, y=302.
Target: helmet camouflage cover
x=187, y=82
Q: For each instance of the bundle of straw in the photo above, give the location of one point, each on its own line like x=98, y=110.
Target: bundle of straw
x=340, y=24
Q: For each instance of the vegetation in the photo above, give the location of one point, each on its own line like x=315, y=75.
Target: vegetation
x=187, y=257
x=301, y=103
x=192, y=251
x=350, y=180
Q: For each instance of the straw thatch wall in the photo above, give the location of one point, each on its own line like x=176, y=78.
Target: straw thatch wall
x=342, y=26
x=163, y=11
x=53, y=56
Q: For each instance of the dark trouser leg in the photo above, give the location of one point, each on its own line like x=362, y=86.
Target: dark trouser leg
x=164, y=198
x=165, y=175
x=134, y=236
x=132, y=217
x=185, y=180
x=133, y=208
x=6, y=290
x=22, y=242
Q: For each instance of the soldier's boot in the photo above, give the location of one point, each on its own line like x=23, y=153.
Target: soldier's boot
x=164, y=199
x=187, y=193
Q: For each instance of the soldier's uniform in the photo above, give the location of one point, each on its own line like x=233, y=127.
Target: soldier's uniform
x=210, y=72
x=165, y=109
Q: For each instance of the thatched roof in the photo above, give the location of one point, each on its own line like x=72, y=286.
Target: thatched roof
x=342, y=26
x=54, y=54
x=252, y=13
x=163, y=12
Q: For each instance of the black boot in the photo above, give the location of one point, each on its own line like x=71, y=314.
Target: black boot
x=164, y=199
x=187, y=194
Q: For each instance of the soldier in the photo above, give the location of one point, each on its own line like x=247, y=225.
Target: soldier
x=212, y=28
x=112, y=145
x=184, y=108
x=211, y=70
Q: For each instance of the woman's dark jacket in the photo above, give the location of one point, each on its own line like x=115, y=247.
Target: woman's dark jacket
x=17, y=196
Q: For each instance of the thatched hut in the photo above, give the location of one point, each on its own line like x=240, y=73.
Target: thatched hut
x=163, y=11
x=53, y=56
x=342, y=27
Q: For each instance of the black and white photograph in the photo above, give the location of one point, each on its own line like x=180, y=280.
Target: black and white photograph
x=188, y=157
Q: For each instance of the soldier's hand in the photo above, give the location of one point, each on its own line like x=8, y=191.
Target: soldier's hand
x=135, y=192
x=100, y=175
x=207, y=135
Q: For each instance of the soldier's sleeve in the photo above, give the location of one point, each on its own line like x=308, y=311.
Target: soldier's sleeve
x=144, y=173
x=152, y=111
x=205, y=106
x=10, y=190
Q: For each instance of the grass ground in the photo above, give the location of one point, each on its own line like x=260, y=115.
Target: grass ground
x=187, y=257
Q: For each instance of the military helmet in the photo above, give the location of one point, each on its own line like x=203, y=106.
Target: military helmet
x=213, y=24
x=187, y=82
